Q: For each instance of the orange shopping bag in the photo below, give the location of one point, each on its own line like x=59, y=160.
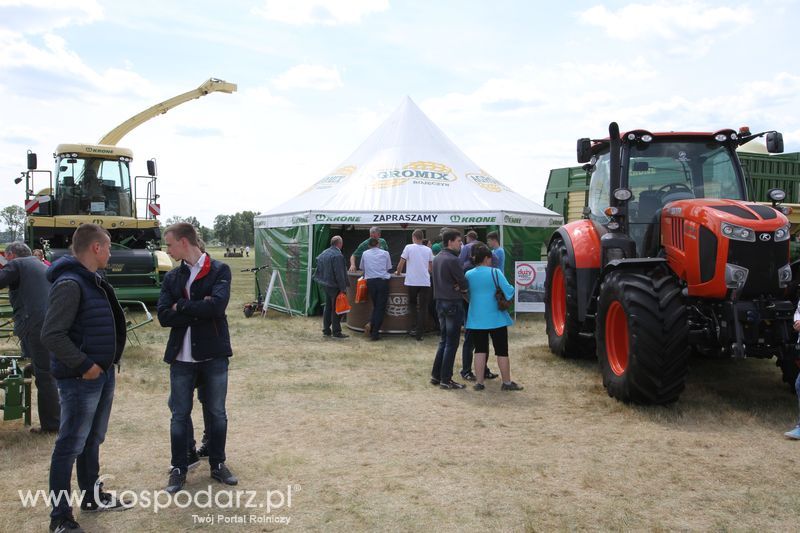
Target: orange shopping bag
x=342, y=305
x=361, y=290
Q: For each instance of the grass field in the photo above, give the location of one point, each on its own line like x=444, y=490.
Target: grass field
x=367, y=444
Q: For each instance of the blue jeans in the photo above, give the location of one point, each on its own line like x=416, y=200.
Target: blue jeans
x=797, y=390
x=451, y=318
x=85, y=410
x=190, y=425
x=183, y=378
x=329, y=317
x=378, y=289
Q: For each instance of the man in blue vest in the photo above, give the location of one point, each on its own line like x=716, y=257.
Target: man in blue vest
x=192, y=303
x=84, y=329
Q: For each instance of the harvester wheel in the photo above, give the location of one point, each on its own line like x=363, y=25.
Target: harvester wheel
x=561, y=306
x=642, y=337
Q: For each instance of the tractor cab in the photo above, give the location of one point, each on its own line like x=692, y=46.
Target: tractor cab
x=659, y=169
x=89, y=184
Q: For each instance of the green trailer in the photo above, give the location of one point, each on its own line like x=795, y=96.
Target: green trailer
x=567, y=188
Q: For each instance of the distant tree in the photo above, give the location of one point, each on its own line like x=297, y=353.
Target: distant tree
x=14, y=218
x=207, y=234
x=236, y=229
x=222, y=228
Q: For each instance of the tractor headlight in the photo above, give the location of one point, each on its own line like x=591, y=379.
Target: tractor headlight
x=784, y=275
x=782, y=234
x=622, y=194
x=735, y=276
x=738, y=233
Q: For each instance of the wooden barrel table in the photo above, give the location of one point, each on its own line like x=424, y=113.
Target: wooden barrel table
x=398, y=317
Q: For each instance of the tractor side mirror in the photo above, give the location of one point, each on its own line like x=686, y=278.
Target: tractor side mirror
x=584, y=150
x=151, y=167
x=775, y=142
x=31, y=161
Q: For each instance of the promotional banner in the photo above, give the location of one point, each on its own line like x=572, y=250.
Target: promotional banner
x=529, y=279
x=467, y=218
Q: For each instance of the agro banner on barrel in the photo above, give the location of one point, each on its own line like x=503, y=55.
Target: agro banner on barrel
x=529, y=279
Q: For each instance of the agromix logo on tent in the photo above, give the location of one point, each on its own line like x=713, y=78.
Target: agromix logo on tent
x=417, y=172
x=486, y=182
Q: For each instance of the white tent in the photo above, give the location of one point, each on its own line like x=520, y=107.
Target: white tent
x=408, y=171
x=407, y=174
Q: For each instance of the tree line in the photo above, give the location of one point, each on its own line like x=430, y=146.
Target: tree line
x=229, y=230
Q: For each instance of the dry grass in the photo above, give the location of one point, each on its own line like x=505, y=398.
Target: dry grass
x=374, y=447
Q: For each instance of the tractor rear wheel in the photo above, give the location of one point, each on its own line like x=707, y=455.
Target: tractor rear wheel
x=642, y=337
x=561, y=306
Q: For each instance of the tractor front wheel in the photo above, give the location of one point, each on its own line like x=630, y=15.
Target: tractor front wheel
x=561, y=306
x=642, y=337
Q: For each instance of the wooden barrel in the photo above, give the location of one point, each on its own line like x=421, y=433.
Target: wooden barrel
x=398, y=317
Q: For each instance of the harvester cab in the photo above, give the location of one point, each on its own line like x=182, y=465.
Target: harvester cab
x=669, y=259
x=92, y=183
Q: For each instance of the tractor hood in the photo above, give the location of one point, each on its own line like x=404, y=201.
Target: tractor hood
x=719, y=245
x=713, y=212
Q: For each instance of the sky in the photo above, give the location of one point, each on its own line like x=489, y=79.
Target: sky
x=512, y=83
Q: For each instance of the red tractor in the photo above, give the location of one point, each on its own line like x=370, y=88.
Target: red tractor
x=670, y=259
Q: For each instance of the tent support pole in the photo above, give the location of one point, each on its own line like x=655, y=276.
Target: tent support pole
x=310, y=261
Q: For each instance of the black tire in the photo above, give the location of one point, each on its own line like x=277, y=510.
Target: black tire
x=642, y=337
x=564, y=340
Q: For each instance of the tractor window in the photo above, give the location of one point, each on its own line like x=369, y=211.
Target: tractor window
x=719, y=176
x=92, y=186
x=663, y=172
x=599, y=196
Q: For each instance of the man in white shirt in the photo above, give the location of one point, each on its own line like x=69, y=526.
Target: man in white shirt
x=419, y=259
x=376, y=264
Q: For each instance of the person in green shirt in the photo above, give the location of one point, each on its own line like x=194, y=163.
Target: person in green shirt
x=374, y=233
x=437, y=246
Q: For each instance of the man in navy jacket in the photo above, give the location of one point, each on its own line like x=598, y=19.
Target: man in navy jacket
x=193, y=300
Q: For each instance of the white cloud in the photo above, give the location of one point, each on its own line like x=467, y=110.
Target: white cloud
x=559, y=104
x=309, y=77
x=40, y=16
x=326, y=12
x=55, y=62
x=532, y=90
x=665, y=20
x=29, y=44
